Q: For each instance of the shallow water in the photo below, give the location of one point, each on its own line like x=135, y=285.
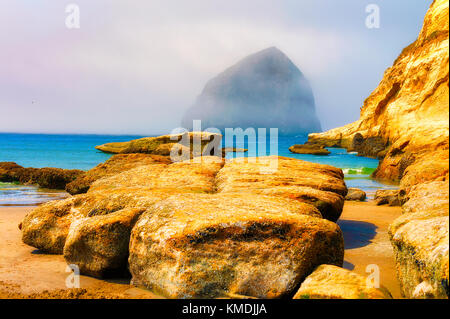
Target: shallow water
x=78, y=152
x=27, y=195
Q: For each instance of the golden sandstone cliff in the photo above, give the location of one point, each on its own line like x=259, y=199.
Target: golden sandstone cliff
x=405, y=123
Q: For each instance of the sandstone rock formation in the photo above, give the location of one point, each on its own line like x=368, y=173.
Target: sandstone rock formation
x=98, y=245
x=355, y=194
x=200, y=228
x=47, y=226
x=312, y=149
x=387, y=197
x=116, y=164
x=421, y=241
x=331, y=282
x=52, y=178
x=408, y=112
x=405, y=122
x=197, y=247
x=318, y=185
x=264, y=90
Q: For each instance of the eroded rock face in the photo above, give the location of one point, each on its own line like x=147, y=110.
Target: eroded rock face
x=264, y=90
x=331, y=282
x=420, y=238
x=47, y=226
x=98, y=245
x=228, y=215
x=409, y=113
x=416, y=84
x=208, y=246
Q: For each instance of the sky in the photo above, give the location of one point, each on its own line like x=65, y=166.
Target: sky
x=134, y=67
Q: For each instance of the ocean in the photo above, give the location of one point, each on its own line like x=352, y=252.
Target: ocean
x=78, y=152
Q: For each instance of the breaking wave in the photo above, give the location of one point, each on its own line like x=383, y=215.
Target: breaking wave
x=358, y=171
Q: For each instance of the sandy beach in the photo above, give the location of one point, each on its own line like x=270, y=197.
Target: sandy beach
x=27, y=273
x=365, y=228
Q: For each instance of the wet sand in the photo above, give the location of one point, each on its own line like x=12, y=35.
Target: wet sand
x=365, y=228
x=27, y=273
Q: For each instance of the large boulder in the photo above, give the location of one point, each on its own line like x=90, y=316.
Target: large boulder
x=207, y=211
x=355, y=194
x=47, y=226
x=264, y=90
x=208, y=246
x=116, y=164
x=319, y=185
x=99, y=245
x=187, y=176
x=331, y=282
x=387, y=197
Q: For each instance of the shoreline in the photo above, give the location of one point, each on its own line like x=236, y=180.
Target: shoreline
x=27, y=273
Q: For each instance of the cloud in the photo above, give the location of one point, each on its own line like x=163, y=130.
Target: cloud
x=134, y=67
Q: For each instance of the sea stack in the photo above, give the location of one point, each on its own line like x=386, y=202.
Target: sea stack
x=264, y=90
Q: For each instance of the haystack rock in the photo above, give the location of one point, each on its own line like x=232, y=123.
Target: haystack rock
x=405, y=122
x=264, y=90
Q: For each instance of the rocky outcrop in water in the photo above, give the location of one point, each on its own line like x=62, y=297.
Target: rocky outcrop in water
x=405, y=122
x=52, y=178
x=212, y=228
x=167, y=145
x=264, y=90
x=311, y=149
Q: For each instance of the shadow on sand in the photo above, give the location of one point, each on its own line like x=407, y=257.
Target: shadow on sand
x=357, y=234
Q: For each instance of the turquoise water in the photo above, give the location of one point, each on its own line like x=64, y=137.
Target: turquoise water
x=78, y=152
x=42, y=150
x=357, y=169
x=62, y=151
